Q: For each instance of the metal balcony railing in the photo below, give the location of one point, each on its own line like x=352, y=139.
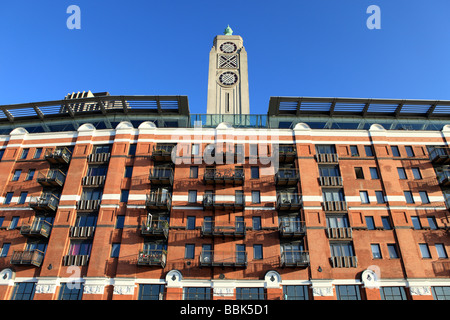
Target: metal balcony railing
x=81, y=232
x=444, y=178
x=162, y=152
x=330, y=181
x=339, y=233
x=294, y=258
x=88, y=205
x=335, y=206
x=292, y=229
x=93, y=181
x=37, y=228
x=152, y=258
x=235, y=229
x=228, y=176
x=52, y=178
x=288, y=201
x=47, y=202
x=95, y=158
x=215, y=258
x=28, y=257
x=286, y=177
x=75, y=260
x=344, y=262
x=211, y=201
x=158, y=200
x=287, y=154
x=161, y=176
x=440, y=156
x=59, y=155
x=155, y=228
x=327, y=158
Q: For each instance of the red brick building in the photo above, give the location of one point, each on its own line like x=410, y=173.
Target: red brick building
x=132, y=197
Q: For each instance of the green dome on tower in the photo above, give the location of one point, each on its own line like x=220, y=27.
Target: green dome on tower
x=228, y=31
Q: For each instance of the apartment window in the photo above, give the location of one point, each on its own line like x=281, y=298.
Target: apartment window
x=386, y=223
x=190, y=223
x=115, y=250
x=24, y=154
x=253, y=150
x=97, y=171
x=239, y=197
x=416, y=223
x=370, y=223
x=380, y=197
x=30, y=174
x=86, y=220
x=295, y=292
x=354, y=151
x=359, y=173
x=128, y=172
x=240, y=253
x=2, y=152
x=255, y=172
x=249, y=293
x=409, y=151
x=329, y=171
x=16, y=175
x=408, y=197
x=37, y=153
x=256, y=223
x=120, y=222
x=14, y=222
x=395, y=151
x=392, y=249
x=333, y=195
x=424, y=250
x=132, y=149
x=193, y=172
x=325, y=148
x=69, y=291
x=441, y=293
x=369, y=151
x=102, y=148
x=197, y=293
x=257, y=251
x=376, y=252
x=8, y=198
x=151, y=291
x=23, y=291
x=374, y=173
x=92, y=194
x=440, y=248
x=1, y=221
x=424, y=197
x=347, y=292
x=364, y=197
x=5, y=249
x=393, y=293
x=416, y=173
x=80, y=247
x=23, y=197
x=124, y=195
x=192, y=196
x=401, y=173
x=432, y=223
x=195, y=149
x=337, y=221
x=256, y=197
x=189, y=251
x=341, y=249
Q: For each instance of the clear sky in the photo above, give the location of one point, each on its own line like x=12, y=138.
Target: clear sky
x=319, y=48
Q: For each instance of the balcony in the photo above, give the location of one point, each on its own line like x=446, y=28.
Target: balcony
x=58, y=155
x=329, y=158
x=287, y=154
x=48, y=202
x=223, y=229
x=88, y=205
x=161, y=176
x=335, y=206
x=53, y=178
x=292, y=229
x=294, y=258
x=93, y=181
x=81, y=232
x=75, y=260
x=213, y=202
x=286, y=177
x=40, y=228
x=162, y=152
x=28, y=257
x=152, y=258
x=330, y=181
x=440, y=156
x=344, y=262
x=233, y=177
x=444, y=179
x=289, y=201
x=98, y=158
x=158, y=201
x=214, y=258
x=339, y=233
x=155, y=228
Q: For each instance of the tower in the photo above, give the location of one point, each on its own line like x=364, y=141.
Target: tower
x=228, y=76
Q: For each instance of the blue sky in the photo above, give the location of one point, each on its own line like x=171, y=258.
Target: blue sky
x=295, y=48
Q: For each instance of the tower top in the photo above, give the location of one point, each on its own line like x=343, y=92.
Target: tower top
x=228, y=31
